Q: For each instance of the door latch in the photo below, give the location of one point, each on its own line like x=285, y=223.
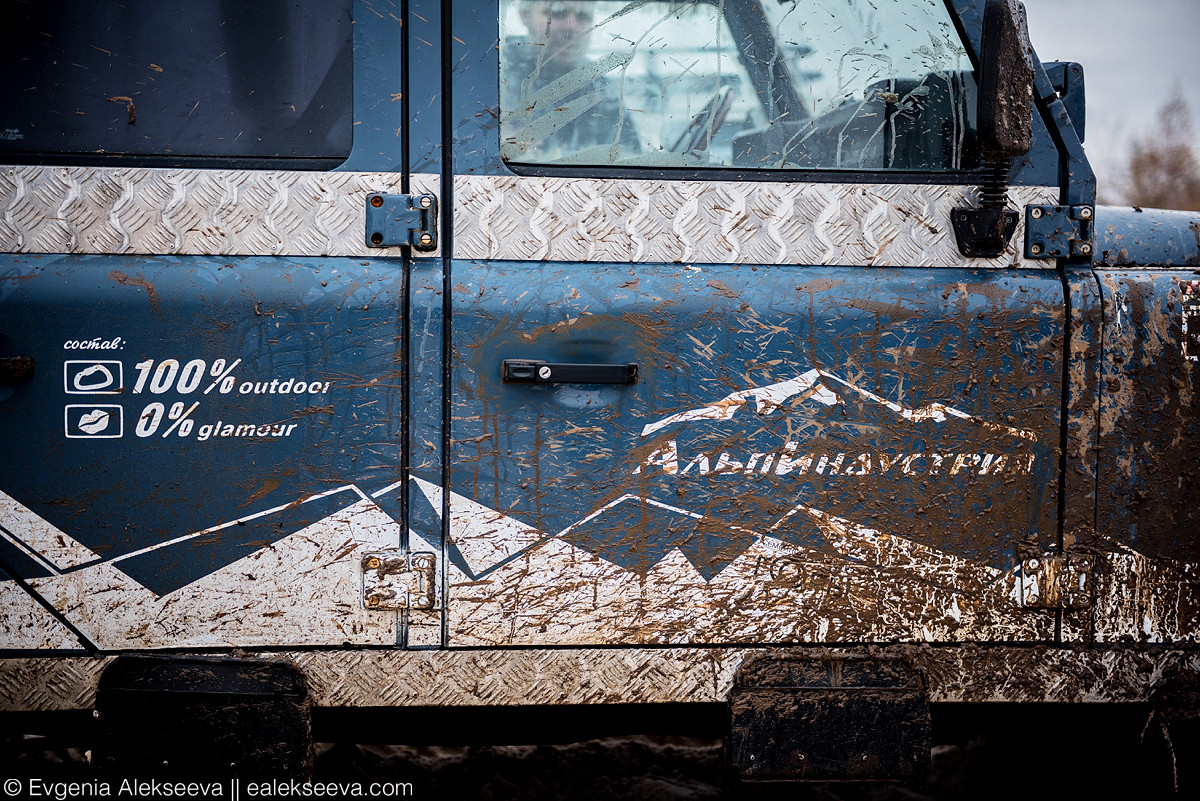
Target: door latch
x=402, y=220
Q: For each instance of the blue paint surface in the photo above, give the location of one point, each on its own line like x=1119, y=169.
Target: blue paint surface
x=987, y=344
x=332, y=325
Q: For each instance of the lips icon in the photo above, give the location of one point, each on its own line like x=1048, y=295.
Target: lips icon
x=104, y=378
x=95, y=421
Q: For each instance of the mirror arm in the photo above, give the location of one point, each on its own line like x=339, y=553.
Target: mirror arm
x=1005, y=117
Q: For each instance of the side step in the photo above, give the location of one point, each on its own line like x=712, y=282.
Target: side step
x=198, y=717
x=829, y=717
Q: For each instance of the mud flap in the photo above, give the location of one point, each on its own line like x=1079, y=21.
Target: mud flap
x=829, y=717
x=191, y=717
x=1173, y=729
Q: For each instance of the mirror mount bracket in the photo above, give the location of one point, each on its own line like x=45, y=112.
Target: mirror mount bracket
x=1005, y=116
x=984, y=232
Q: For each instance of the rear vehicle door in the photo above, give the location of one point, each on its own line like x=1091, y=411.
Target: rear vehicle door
x=719, y=372
x=204, y=418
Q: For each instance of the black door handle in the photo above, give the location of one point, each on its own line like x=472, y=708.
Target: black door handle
x=527, y=371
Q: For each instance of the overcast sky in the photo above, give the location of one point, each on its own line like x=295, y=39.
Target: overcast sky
x=1133, y=52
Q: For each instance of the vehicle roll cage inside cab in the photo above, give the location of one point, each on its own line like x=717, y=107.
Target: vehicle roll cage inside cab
x=885, y=112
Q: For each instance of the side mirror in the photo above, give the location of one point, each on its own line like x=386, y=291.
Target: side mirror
x=1005, y=82
x=1005, y=127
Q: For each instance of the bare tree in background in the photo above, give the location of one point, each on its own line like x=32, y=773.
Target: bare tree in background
x=1163, y=171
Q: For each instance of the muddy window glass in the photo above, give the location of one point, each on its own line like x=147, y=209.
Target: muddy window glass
x=177, y=78
x=807, y=84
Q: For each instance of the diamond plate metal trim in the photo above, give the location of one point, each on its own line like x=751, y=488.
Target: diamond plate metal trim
x=720, y=222
x=48, y=684
x=203, y=212
x=971, y=673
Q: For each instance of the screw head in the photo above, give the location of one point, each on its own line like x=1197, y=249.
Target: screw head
x=376, y=239
x=1085, y=249
x=426, y=240
x=372, y=600
x=426, y=201
x=376, y=201
x=372, y=563
x=1033, y=564
x=1085, y=213
x=544, y=372
x=1035, y=249
x=423, y=600
x=1035, y=214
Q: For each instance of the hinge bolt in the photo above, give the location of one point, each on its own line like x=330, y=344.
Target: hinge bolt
x=426, y=240
x=376, y=201
x=1033, y=563
x=426, y=201
x=1035, y=213
x=372, y=600
x=372, y=563
x=543, y=372
x=1085, y=248
x=1035, y=249
x=1085, y=213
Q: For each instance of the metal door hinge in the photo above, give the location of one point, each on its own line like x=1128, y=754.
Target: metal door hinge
x=397, y=580
x=402, y=220
x=1058, y=232
x=1056, y=582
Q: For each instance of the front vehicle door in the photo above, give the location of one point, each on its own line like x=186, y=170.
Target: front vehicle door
x=719, y=371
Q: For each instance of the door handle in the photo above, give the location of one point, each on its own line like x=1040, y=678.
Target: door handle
x=528, y=371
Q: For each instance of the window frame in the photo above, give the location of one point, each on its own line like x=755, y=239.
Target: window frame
x=739, y=27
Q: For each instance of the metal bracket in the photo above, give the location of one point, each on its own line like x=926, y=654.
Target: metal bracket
x=1058, y=232
x=1067, y=78
x=402, y=220
x=1056, y=582
x=396, y=580
x=983, y=233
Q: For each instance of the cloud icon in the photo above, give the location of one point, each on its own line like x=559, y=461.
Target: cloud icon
x=104, y=378
x=94, y=422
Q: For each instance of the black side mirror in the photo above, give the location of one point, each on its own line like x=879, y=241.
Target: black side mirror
x=1005, y=127
x=1005, y=82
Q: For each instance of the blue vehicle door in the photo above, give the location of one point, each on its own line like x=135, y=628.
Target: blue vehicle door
x=719, y=372
x=204, y=413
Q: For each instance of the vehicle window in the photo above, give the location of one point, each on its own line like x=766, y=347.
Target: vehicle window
x=178, y=78
x=800, y=84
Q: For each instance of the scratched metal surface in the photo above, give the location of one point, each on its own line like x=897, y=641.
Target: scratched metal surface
x=1148, y=427
x=375, y=678
x=818, y=454
x=715, y=222
x=203, y=453
x=184, y=211
x=26, y=625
